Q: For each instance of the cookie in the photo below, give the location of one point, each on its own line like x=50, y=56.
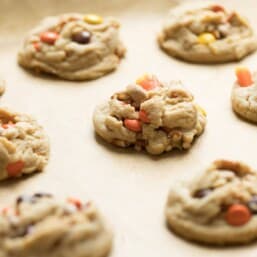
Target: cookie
x=2, y=87
x=207, y=33
x=39, y=225
x=150, y=115
x=244, y=94
x=219, y=207
x=73, y=46
x=24, y=147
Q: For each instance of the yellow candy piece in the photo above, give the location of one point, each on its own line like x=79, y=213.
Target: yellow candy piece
x=206, y=38
x=93, y=19
x=201, y=110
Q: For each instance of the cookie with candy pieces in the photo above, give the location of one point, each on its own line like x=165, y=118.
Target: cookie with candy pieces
x=73, y=46
x=218, y=207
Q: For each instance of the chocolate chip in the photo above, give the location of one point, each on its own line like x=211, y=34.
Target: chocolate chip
x=82, y=37
x=41, y=194
x=202, y=193
x=19, y=200
x=31, y=199
x=252, y=204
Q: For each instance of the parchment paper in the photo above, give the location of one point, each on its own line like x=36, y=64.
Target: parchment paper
x=130, y=188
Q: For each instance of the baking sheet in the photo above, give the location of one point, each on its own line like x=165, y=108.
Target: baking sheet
x=130, y=188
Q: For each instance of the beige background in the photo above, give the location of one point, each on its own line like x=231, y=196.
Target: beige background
x=129, y=187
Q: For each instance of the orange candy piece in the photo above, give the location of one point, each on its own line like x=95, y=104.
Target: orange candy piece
x=49, y=37
x=75, y=202
x=7, y=125
x=143, y=116
x=217, y=8
x=14, y=169
x=148, y=82
x=244, y=76
x=133, y=125
x=37, y=46
x=238, y=215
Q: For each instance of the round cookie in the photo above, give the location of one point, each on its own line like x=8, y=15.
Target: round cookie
x=244, y=94
x=39, y=225
x=150, y=115
x=24, y=147
x=207, y=33
x=73, y=46
x=219, y=207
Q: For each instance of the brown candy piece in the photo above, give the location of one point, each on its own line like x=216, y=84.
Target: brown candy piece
x=82, y=37
x=202, y=192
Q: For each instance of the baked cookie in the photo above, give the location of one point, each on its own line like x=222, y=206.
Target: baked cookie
x=244, y=94
x=207, y=33
x=218, y=208
x=73, y=46
x=39, y=225
x=2, y=87
x=150, y=115
x=24, y=147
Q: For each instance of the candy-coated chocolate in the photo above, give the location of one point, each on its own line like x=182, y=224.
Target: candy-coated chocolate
x=82, y=37
x=49, y=37
x=217, y=8
x=238, y=215
x=206, y=38
x=14, y=169
x=7, y=125
x=148, y=82
x=244, y=76
x=75, y=202
x=133, y=125
x=143, y=116
x=37, y=46
x=93, y=19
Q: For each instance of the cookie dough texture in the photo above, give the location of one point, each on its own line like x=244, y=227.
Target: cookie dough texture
x=40, y=226
x=68, y=59
x=23, y=143
x=174, y=118
x=202, y=219
x=2, y=87
x=234, y=37
x=244, y=100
